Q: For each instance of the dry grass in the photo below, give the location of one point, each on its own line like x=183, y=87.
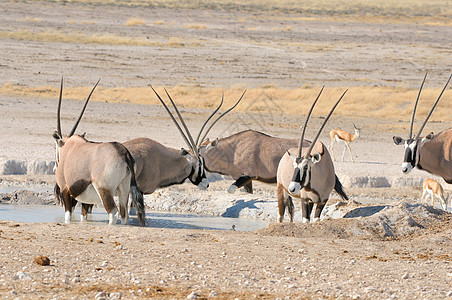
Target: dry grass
x=106, y=39
x=374, y=102
x=197, y=26
x=436, y=12
x=135, y=22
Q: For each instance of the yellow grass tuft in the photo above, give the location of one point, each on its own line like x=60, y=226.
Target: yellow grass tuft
x=196, y=26
x=135, y=22
x=373, y=102
x=159, y=22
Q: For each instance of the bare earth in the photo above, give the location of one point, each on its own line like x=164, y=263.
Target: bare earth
x=392, y=247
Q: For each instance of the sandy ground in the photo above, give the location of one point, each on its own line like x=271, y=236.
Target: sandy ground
x=398, y=249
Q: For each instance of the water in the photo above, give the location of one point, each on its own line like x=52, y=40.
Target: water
x=55, y=214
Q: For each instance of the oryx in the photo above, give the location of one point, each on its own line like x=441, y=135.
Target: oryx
x=91, y=172
x=160, y=166
x=246, y=156
x=309, y=177
x=432, y=153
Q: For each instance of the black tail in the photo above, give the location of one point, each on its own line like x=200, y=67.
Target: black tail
x=340, y=189
x=135, y=193
x=57, y=193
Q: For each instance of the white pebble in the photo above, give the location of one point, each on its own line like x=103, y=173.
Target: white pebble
x=100, y=296
x=115, y=296
x=22, y=276
x=193, y=295
x=405, y=276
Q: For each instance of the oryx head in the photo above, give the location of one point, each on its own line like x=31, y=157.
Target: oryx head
x=60, y=140
x=198, y=173
x=412, y=143
x=303, y=164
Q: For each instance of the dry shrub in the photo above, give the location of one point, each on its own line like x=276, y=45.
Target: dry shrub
x=159, y=22
x=42, y=261
x=135, y=22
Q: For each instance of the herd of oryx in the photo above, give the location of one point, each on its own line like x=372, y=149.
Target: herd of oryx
x=92, y=172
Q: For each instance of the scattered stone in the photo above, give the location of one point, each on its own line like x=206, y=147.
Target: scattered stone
x=114, y=296
x=449, y=294
x=100, y=296
x=42, y=261
x=213, y=294
x=22, y=276
x=193, y=295
x=405, y=276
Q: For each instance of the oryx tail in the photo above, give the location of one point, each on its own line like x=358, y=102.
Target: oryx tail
x=340, y=189
x=135, y=193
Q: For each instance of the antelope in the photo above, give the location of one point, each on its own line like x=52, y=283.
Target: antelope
x=432, y=153
x=309, y=175
x=246, y=156
x=338, y=135
x=159, y=166
x=433, y=189
x=91, y=172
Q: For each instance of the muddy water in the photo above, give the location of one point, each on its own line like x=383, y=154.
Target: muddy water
x=55, y=214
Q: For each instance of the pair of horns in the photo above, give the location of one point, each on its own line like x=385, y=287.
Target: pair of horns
x=81, y=114
x=188, y=137
x=430, y=112
x=300, y=144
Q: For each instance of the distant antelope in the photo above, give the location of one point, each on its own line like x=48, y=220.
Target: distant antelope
x=159, y=166
x=309, y=177
x=338, y=135
x=246, y=156
x=432, y=153
x=91, y=172
x=433, y=189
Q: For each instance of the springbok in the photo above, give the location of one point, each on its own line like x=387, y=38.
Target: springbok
x=433, y=189
x=158, y=166
x=246, y=156
x=91, y=172
x=309, y=177
x=432, y=153
x=337, y=135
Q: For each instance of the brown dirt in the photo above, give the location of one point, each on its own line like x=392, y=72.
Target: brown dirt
x=349, y=258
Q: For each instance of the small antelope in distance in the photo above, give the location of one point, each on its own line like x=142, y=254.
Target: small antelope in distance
x=433, y=189
x=432, y=153
x=91, y=172
x=338, y=135
x=158, y=166
x=309, y=177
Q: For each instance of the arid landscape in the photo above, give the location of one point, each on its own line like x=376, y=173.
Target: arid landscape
x=382, y=244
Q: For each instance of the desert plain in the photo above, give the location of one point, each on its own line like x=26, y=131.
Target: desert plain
x=388, y=245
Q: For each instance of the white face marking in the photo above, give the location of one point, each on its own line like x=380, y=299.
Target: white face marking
x=294, y=188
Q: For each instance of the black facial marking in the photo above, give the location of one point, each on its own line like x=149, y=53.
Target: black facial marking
x=296, y=175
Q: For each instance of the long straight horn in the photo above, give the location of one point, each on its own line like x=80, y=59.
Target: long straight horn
x=172, y=118
x=323, y=125
x=59, y=110
x=433, y=107
x=83, y=110
x=192, y=142
x=198, y=142
x=300, y=144
x=415, y=106
x=221, y=116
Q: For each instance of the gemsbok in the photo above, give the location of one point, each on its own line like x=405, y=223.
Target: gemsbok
x=338, y=135
x=309, y=175
x=432, y=153
x=90, y=172
x=246, y=156
x=158, y=166
x=431, y=188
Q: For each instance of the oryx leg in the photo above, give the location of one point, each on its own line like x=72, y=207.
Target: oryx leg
x=290, y=208
x=248, y=187
x=241, y=181
x=306, y=208
x=109, y=203
x=69, y=202
x=86, y=209
x=318, y=211
x=123, y=199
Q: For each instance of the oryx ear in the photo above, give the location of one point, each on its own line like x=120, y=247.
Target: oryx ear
x=214, y=143
x=294, y=158
x=429, y=136
x=183, y=152
x=83, y=135
x=316, y=158
x=398, y=140
x=56, y=136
